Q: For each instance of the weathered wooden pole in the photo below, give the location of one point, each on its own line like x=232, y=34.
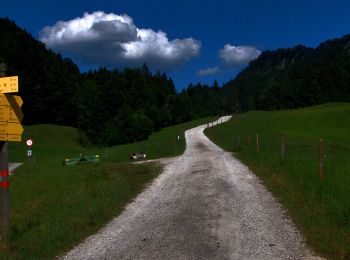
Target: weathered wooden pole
x=283, y=145
x=257, y=142
x=4, y=180
x=321, y=159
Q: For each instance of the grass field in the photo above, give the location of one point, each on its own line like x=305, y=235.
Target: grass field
x=53, y=207
x=320, y=208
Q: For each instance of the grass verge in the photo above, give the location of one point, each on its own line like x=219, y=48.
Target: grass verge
x=320, y=208
x=53, y=207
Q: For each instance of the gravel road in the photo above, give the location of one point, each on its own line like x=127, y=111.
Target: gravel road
x=205, y=205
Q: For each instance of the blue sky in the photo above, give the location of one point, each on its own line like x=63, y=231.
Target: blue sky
x=192, y=41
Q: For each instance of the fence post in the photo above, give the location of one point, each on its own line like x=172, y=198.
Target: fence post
x=321, y=158
x=257, y=143
x=283, y=145
x=248, y=141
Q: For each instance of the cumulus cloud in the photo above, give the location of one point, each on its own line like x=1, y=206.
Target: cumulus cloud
x=237, y=55
x=114, y=40
x=207, y=71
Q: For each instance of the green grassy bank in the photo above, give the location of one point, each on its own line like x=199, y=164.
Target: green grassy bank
x=53, y=207
x=319, y=207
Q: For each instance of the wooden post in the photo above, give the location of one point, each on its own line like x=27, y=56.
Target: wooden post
x=248, y=141
x=4, y=187
x=257, y=143
x=4, y=181
x=238, y=142
x=321, y=158
x=283, y=145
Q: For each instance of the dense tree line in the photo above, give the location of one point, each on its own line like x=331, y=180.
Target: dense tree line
x=111, y=106
x=118, y=107
x=284, y=78
x=295, y=77
x=107, y=106
x=47, y=82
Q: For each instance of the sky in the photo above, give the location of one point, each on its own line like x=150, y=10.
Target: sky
x=191, y=41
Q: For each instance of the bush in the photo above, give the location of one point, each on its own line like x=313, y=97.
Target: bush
x=140, y=127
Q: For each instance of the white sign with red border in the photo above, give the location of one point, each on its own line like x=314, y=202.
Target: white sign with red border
x=29, y=142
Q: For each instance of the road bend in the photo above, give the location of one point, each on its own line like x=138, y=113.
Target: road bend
x=204, y=205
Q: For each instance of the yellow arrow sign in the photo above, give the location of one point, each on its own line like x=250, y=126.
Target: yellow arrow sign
x=11, y=128
x=9, y=84
x=13, y=138
x=10, y=117
x=10, y=110
x=10, y=100
x=10, y=114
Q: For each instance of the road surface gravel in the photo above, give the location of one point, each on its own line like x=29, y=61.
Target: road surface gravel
x=204, y=205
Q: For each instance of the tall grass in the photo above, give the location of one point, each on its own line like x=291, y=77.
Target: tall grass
x=53, y=207
x=319, y=207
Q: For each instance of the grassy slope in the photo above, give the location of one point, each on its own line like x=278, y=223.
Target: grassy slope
x=53, y=207
x=321, y=208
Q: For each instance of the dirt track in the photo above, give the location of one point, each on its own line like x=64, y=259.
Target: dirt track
x=205, y=205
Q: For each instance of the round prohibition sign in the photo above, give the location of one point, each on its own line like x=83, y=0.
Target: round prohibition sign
x=29, y=142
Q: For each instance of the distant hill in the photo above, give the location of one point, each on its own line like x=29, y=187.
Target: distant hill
x=295, y=77
x=47, y=82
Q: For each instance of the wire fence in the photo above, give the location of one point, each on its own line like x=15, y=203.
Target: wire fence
x=315, y=154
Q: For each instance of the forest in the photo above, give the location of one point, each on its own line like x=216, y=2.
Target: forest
x=111, y=106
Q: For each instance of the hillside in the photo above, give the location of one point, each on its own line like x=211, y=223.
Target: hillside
x=295, y=77
x=284, y=78
x=47, y=82
x=109, y=107
x=62, y=205
x=318, y=206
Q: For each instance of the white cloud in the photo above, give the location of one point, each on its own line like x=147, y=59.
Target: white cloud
x=114, y=40
x=237, y=55
x=207, y=71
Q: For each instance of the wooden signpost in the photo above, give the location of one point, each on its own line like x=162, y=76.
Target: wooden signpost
x=10, y=130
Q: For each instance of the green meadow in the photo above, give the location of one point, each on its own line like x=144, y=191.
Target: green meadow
x=53, y=207
x=320, y=207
